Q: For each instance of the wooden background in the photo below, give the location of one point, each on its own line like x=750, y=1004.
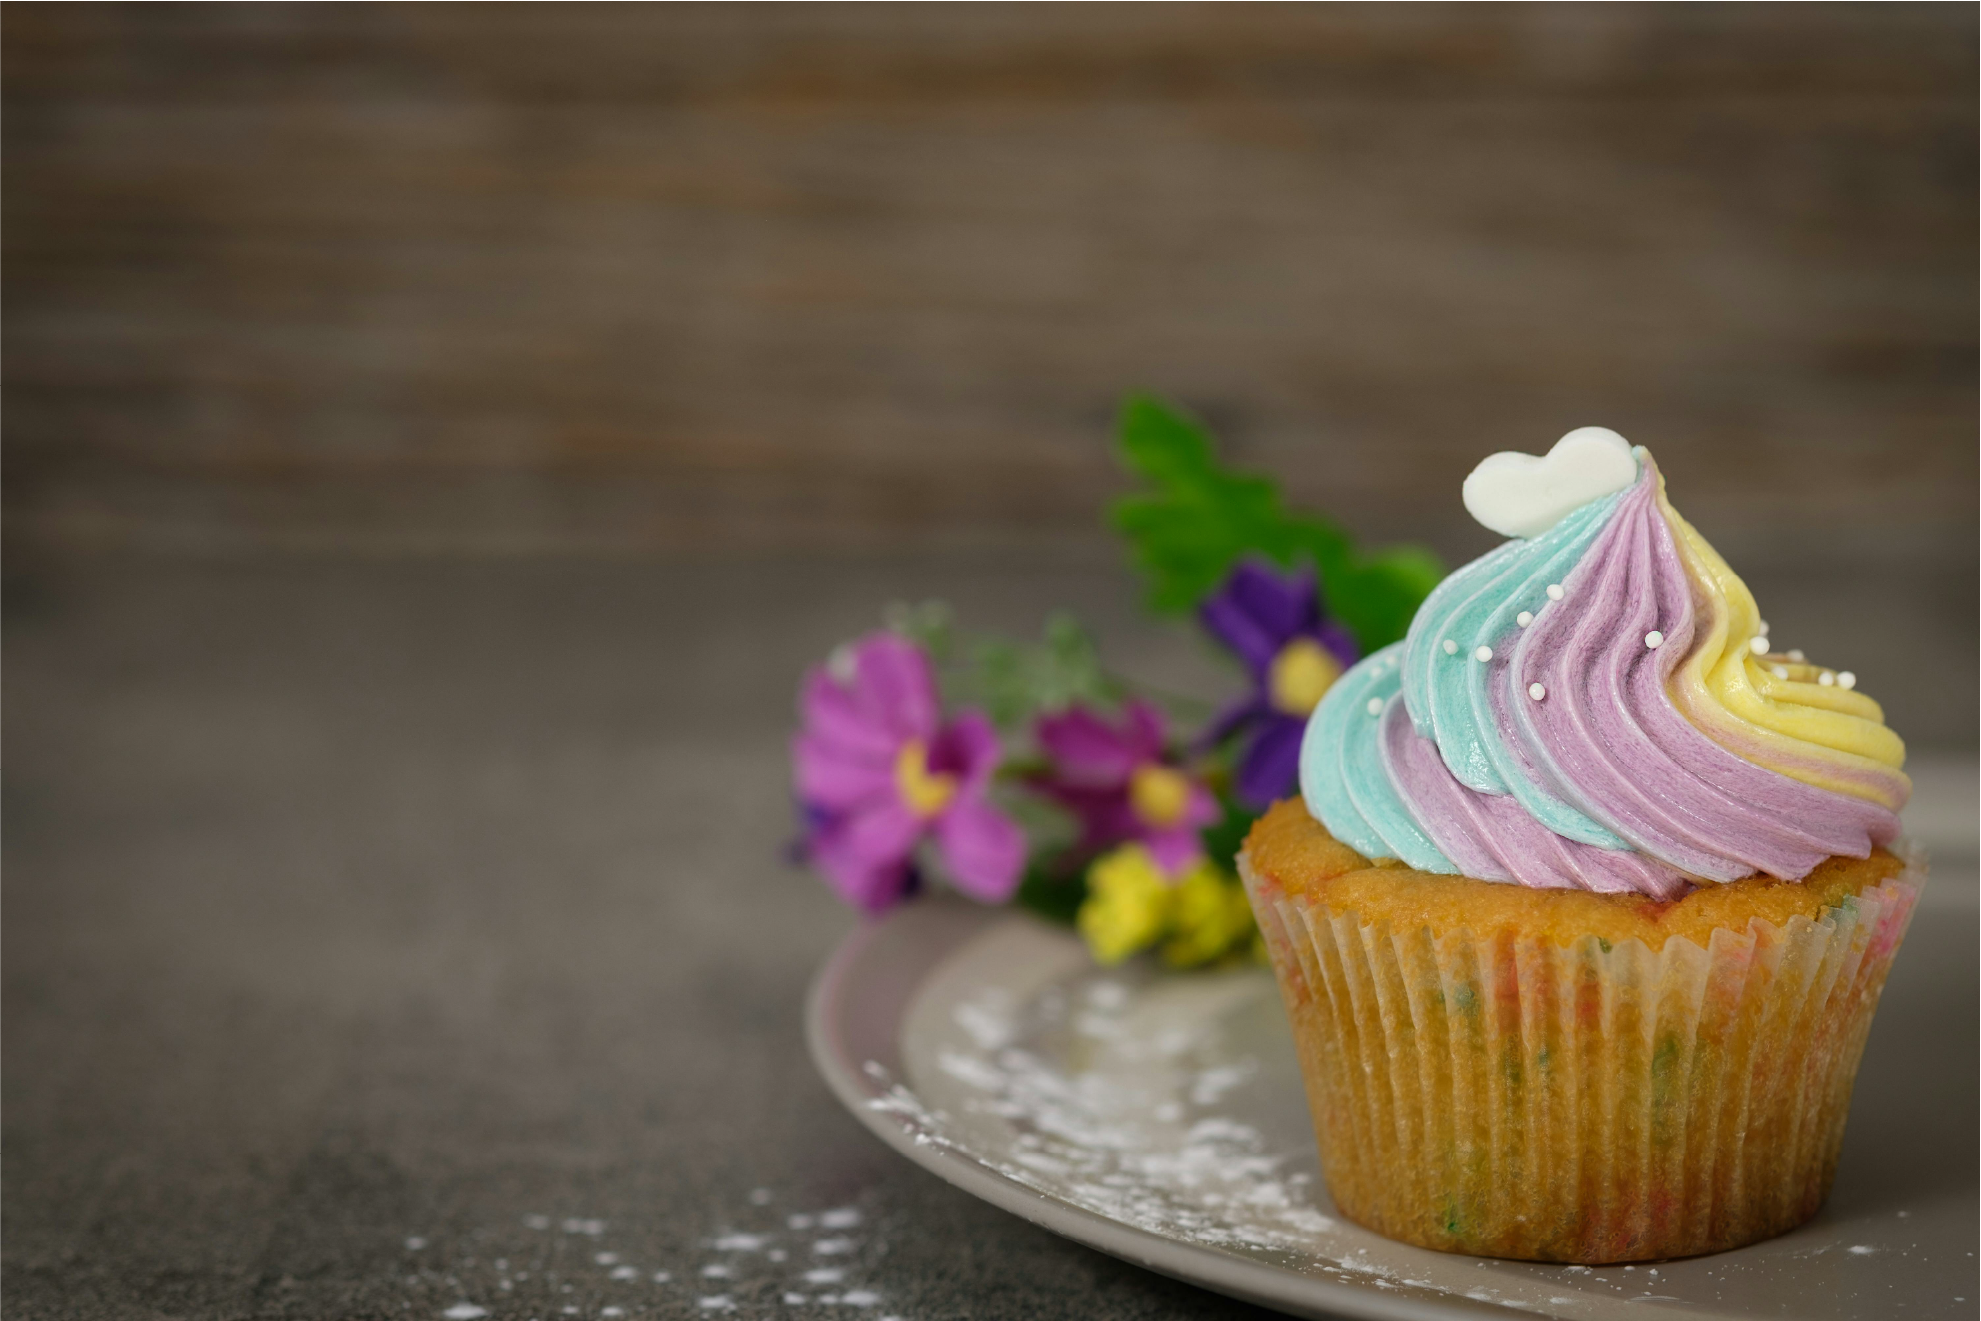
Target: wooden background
x=811, y=277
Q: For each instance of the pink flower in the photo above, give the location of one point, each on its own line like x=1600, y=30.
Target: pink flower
x=877, y=770
x=1116, y=780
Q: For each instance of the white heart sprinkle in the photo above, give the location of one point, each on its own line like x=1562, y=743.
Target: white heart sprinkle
x=1519, y=495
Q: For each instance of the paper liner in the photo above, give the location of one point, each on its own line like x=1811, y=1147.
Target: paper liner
x=1512, y=1097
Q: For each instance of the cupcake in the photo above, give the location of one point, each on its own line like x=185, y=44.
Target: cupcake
x=1589, y=895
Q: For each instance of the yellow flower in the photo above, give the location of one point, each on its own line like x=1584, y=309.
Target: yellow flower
x=1210, y=915
x=1128, y=904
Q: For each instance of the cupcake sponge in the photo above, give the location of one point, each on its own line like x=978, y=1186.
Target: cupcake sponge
x=1566, y=1076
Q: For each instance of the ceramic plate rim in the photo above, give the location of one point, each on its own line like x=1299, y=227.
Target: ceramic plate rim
x=953, y=924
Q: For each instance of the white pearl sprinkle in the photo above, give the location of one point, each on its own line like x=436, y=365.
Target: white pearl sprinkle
x=1795, y=654
x=1762, y=627
x=1759, y=646
x=1450, y=647
x=1826, y=678
x=1780, y=671
x=1524, y=618
x=1654, y=639
x=1845, y=679
x=1375, y=706
x=1483, y=654
x=1536, y=691
x=1554, y=592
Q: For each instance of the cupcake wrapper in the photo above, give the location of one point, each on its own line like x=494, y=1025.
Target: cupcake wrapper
x=1512, y=1097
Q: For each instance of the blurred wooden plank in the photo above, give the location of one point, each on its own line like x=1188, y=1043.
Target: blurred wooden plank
x=679, y=276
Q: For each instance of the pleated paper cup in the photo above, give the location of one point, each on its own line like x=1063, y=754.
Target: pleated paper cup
x=1514, y=1096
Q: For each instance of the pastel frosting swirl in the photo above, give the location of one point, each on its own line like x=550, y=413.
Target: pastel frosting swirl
x=1588, y=708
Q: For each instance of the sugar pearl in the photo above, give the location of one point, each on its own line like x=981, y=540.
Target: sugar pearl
x=1483, y=654
x=1450, y=647
x=1375, y=706
x=1780, y=671
x=1536, y=691
x=1554, y=592
x=1845, y=679
x=1826, y=679
x=1762, y=627
x=1524, y=618
x=1795, y=654
x=1759, y=645
x=1654, y=639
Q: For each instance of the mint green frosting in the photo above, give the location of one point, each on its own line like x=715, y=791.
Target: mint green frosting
x=1447, y=693
x=1341, y=768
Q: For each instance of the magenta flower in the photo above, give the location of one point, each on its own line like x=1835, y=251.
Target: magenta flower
x=1275, y=624
x=1116, y=780
x=877, y=771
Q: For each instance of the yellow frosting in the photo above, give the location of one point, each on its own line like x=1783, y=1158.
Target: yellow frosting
x=1824, y=735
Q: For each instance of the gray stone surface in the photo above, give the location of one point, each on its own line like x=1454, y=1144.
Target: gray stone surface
x=352, y=903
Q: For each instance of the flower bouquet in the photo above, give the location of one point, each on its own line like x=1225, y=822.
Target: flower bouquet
x=1030, y=773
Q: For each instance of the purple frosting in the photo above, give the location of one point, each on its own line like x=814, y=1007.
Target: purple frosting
x=1606, y=738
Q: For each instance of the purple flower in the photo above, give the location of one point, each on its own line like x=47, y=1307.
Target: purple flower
x=1275, y=623
x=877, y=770
x=1117, y=782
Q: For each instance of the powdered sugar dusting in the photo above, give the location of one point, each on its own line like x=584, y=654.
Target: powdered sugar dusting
x=1137, y=1135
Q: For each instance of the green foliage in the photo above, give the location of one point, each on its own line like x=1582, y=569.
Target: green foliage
x=1225, y=836
x=1011, y=681
x=1202, y=518
x=1017, y=680
x=1052, y=890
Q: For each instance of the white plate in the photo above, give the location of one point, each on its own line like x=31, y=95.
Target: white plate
x=1160, y=1118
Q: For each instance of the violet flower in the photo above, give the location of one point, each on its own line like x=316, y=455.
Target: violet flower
x=1276, y=624
x=878, y=770
x=1116, y=780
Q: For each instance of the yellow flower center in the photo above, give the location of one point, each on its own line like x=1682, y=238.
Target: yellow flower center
x=925, y=793
x=1159, y=794
x=1302, y=672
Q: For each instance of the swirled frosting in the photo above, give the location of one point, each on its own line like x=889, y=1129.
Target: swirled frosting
x=1596, y=707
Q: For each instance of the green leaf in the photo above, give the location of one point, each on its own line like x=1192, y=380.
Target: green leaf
x=1377, y=595
x=1224, y=837
x=1015, y=681
x=1202, y=518
x=1053, y=891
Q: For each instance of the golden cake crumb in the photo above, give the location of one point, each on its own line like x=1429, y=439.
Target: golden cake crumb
x=1288, y=847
